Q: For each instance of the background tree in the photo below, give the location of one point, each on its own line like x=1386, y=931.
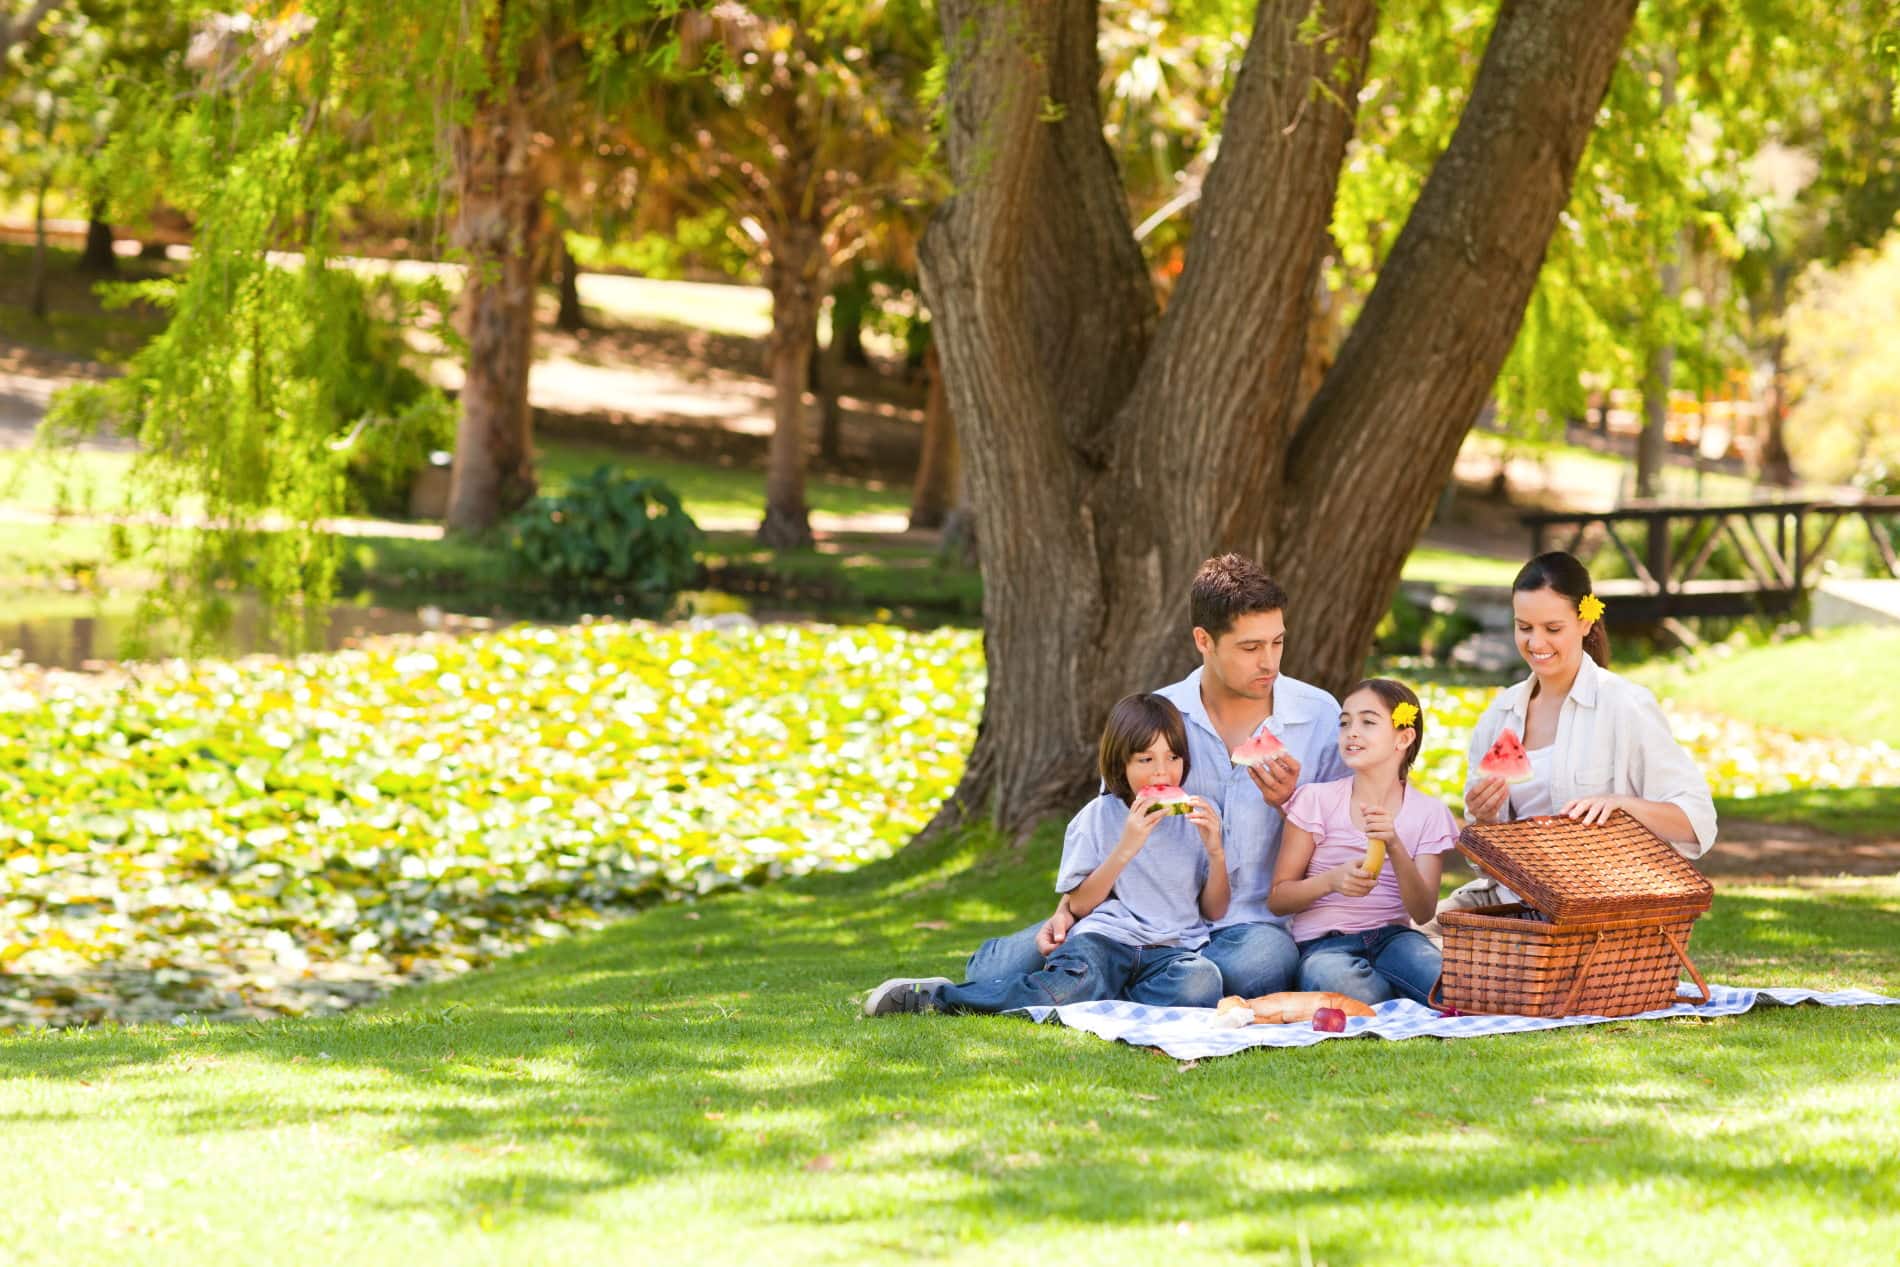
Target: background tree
x=1111, y=447
x=807, y=119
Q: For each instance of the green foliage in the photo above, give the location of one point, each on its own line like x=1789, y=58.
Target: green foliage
x=1844, y=424
x=440, y=801
x=609, y=533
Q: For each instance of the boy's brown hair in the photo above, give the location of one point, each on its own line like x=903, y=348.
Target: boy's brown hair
x=1229, y=586
x=1132, y=725
x=1393, y=694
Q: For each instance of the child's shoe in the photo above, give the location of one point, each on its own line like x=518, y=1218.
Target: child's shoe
x=905, y=994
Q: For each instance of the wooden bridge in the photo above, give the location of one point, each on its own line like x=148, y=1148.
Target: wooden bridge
x=1669, y=550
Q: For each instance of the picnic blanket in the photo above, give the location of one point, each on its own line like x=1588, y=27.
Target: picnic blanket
x=1191, y=1033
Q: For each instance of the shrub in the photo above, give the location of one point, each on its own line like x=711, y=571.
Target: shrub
x=611, y=533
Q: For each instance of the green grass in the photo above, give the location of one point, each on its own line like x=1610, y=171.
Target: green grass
x=1858, y=813
x=1833, y=684
x=710, y=491
x=1454, y=567
x=695, y=1083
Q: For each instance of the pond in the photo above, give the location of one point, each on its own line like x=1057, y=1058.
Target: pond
x=89, y=633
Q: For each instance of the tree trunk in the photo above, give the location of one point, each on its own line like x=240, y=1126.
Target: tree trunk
x=38, y=287
x=499, y=214
x=570, y=318
x=1777, y=464
x=98, y=256
x=827, y=372
x=935, y=492
x=1110, y=450
x=1652, y=445
x=796, y=280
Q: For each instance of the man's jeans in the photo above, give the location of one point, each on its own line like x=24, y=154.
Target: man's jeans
x=1086, y=967
x=1373, y=966
x=1253, y=959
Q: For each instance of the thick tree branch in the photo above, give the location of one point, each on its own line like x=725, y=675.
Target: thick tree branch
x=24, y=30
x=1379, y=439
x=1239, y=317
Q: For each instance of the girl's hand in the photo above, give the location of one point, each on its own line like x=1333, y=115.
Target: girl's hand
x=1593, y=809
x=1206, y=821
x=1350, y=881
x=1378, y=821
x=1485, y=802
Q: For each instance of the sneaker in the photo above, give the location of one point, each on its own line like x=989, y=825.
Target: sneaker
x=905, y=994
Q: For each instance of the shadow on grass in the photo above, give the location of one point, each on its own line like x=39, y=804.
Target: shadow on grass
x=720, y=1045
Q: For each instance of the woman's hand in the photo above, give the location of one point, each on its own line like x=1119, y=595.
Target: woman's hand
x=1486, y=800
x=1206, y=820
x=1350, y=880
x=1594, y=809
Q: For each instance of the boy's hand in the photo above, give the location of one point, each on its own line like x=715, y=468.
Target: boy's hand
x=1206, y=821
x=1350, y=881
x=1276, y=779
x=1141, y=823
x=1055, y=930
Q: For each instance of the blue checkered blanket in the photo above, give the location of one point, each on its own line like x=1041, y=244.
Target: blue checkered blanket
x=1191, y=1033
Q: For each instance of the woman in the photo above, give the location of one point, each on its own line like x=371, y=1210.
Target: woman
x=1597, y=742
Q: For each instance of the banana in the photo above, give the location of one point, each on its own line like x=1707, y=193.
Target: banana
x=1375, y=858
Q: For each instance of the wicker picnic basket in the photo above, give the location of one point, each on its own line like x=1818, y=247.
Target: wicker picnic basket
x=1602, y=929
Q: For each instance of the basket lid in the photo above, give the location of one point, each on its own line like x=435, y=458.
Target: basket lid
x=1575, y=871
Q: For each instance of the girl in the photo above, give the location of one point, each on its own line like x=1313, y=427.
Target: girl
x=1353, y=926
x=1143, y=881
x=1597, y=742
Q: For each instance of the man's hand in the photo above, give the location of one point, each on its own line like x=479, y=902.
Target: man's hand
x=1055, y=930
x=1276, y=779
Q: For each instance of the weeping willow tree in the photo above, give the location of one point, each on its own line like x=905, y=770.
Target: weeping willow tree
x=280, y=355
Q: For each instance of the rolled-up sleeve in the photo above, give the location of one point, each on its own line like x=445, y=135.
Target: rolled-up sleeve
x=1664, y=772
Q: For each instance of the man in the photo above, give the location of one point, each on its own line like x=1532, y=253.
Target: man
x=1239, y=618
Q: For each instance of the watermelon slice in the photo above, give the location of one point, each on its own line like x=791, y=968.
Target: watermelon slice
x=1507, y=759
x=1166, y=798
x=1259, y=750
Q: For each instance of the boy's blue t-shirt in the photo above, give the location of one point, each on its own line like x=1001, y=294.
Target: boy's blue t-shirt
x=1156, y=900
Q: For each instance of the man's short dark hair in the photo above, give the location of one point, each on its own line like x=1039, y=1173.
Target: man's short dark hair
x=1230, y=586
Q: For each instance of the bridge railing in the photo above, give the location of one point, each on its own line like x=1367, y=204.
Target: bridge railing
x=1776, y=543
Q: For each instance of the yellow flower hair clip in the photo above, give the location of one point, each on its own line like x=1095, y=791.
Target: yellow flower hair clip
x=1590, y=607
x=1404, y=714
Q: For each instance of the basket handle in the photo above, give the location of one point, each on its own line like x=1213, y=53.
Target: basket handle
x=1687, y=963
x=1435, y=997
x=1583, y=975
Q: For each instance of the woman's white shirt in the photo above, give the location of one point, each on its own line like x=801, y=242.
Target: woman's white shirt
x=1532, y=799
x=1612, y=740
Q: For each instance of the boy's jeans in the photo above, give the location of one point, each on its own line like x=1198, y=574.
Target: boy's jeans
x=1253, y=959
x=1086, y=967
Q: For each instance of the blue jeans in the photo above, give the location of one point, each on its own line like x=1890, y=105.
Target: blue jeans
x=1372, y=966
x=1086, y=967
x=1253, y=959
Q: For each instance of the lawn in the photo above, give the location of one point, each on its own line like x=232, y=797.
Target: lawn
x=1833, y=683
x=694, y=1085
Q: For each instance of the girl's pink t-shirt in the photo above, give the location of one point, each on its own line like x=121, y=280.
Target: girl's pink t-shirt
x=1423, y=824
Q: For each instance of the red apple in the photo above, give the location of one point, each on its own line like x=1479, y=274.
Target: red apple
x=1329, y=1020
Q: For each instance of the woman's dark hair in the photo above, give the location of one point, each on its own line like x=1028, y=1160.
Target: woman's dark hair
x=1132, y=725
x=1559, y=571
x=1227, y=587
x=1393, y=694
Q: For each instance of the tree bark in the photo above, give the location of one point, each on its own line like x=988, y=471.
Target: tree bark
x=1659, y=367
x=571, y=317
x=1109, y=450
x=37, y=303
x=827, y=373
x=98, y=256
x=934, y=494
x=1777, y=464
x=499, y=214
x=796, y=279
